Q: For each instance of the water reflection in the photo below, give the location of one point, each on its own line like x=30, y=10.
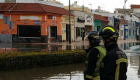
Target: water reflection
x=44, y=48
x=133, y=67
x=65, y=72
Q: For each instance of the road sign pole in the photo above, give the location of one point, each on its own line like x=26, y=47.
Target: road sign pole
x=5, y=38
x=5, y=21
x=11, y=27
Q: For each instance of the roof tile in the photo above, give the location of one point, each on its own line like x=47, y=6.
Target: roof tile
x=99, y=17
x=135, y=6
x=122, y=21
x=32, y=7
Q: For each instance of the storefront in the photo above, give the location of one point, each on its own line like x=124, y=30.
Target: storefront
x=99, y=22
x=79, y=25
x=33, y=25
x=123, y=30
x=88, y=23
x=65, y=28
x=137, y=30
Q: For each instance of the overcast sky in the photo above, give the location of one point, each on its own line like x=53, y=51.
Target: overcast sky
x=108, y=5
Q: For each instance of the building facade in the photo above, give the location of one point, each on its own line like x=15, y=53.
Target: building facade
x=65, y=28
x=33, y=23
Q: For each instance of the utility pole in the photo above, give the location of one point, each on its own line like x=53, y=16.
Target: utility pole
x=124, y=18
x=69, y=25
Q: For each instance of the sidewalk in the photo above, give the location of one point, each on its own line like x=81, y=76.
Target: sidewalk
x=82, y=42
x=86, y=42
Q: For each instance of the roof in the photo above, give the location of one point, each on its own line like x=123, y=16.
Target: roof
x=124, y=10
x=33, y=8
x=122, y=21
x=135, y=6
x=136, y=16
x=99, y=17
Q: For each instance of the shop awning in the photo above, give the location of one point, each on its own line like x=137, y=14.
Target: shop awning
x=123, y=22
x=99, y=17
x=81, y=19
x=137, y=23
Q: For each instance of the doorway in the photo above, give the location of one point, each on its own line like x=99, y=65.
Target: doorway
x=53, y=32
x=98, y=28
x=67, y=32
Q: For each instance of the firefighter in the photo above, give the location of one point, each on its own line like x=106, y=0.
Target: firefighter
x=95, y=54
x=115, y=62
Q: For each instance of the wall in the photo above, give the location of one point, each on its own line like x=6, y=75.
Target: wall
x=64, y=21
x=121, y=34
x=131, y=26
x=136, y=10
x=78, y=14
x=86, y=9
x=103, y=25
x=18, y=19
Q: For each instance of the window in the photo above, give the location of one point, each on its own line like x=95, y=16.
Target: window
x=129, y=32
x=79, y=32
x=29, y=31
x=51, y=17
x=121, y=32
x=133, y=33
x=54, y=17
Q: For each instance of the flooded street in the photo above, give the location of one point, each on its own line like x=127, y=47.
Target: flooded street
x=65, y=72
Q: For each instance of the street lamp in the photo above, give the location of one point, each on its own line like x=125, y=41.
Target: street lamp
x=124, y=17
x=91, y=7
x=69, y=25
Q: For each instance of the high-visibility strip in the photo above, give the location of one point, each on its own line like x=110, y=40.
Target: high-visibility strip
x=109, y=28
x=118, y=67
x=96, y=78
x=117, y=72
x=89, y=77
x=121, y=60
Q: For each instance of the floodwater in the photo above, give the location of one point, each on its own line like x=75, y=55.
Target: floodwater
x=66, y=72
x=51, y=47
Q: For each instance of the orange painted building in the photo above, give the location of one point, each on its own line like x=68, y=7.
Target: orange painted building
x=33, y=22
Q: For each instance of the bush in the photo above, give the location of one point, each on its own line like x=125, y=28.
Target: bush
x=18, y=60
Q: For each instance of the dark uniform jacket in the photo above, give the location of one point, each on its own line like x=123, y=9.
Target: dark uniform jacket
x=115, y=64
x=93, y=57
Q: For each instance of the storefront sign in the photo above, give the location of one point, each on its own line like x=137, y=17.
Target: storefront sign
x=88, y=19
x=111, y=21
x=29, y=17
x=53, y=23
x=36, y=22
